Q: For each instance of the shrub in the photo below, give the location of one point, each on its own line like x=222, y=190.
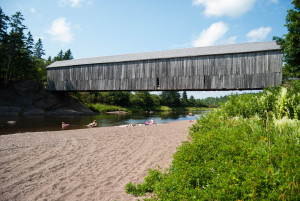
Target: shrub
x=246, y=150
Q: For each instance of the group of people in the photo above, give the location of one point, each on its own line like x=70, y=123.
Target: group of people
x=93, y=124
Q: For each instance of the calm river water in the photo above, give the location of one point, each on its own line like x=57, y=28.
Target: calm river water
x=10, y=125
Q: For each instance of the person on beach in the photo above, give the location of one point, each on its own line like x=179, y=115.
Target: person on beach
x=93, y=124
x=64, y=125
x=152, y=122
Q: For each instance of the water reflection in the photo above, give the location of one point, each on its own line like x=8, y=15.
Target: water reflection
x=51, y=123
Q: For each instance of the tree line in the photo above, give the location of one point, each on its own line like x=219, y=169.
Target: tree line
x=144, y=99
x=20, y=57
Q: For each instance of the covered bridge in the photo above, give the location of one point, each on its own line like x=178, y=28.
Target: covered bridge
x=227, y=67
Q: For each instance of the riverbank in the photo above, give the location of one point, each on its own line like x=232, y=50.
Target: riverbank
x=30, y=98
x=104, y=108
x=84, y=164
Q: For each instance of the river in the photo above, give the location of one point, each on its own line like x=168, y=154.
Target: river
x=11, y=125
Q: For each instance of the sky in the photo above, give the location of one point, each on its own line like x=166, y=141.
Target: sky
x=93, y=28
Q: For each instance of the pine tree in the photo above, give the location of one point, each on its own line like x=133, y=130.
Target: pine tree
x=170, y=98
x=68, y=55
x=3, y=44
x=60, y=56
x=3, y=25
x=38, y=49
x=184, y=99
x=16, y=48
x=29, y=44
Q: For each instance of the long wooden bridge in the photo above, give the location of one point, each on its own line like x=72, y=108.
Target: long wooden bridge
x=227, y=67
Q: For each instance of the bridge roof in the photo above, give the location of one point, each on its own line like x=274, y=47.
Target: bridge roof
x=177, y=53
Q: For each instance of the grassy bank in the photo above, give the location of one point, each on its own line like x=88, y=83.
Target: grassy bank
x=248, y=149
x=102, y=108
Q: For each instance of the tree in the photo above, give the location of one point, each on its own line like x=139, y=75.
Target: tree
x=63, y=56
x=192, y=101
x=290, y=42
x=16, y=49
x=3, y=25
x=170, y=98
x=3, y=44
x=59, y=56
x=184, y=99
x=38, y=49
x=142, y=99
x=68, y=55
x=118, y=98
x=29, y=44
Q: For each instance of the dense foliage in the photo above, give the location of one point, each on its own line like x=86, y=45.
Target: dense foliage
x=20, y=57
x=17, y=59
x=143, y=100
x=290, y=42
x=247, y=149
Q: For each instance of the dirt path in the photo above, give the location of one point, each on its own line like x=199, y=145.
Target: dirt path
x=86, y=164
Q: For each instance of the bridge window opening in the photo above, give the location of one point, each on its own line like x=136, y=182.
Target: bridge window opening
x=157, y=83
x=204, y=81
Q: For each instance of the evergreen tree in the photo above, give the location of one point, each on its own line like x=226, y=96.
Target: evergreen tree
x=60, y=56
x=16, y=49
x=3, y=44
x=174, y=99
x=38, y=49
x=29, y=44
x=68, y=55
x=184, y=99
x=3, y=25
x=290, y=43
x=170, y=98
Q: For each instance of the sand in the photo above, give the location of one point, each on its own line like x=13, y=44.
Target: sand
x=85, y=164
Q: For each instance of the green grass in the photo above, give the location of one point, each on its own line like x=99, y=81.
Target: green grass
x=249, y=149
x=101, y=108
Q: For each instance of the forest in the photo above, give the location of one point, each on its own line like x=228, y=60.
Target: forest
x=21, y=58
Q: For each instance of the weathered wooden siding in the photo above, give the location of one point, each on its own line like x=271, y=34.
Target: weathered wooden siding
x=254, y=70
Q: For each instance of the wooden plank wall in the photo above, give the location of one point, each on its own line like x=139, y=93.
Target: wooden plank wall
x=255, y=70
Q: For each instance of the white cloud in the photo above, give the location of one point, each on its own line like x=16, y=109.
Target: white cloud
x=274, y=1
x=258, y=34
x=211, y=35
x=61, y=31
x=231, y=8
x=231, y=40
x=32, y=10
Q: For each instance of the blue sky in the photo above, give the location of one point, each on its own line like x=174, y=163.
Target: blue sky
x=92, y=28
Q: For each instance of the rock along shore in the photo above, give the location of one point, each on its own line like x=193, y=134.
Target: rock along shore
x=27, y=98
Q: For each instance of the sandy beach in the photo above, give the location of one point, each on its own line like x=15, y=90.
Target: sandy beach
x=85, y=164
